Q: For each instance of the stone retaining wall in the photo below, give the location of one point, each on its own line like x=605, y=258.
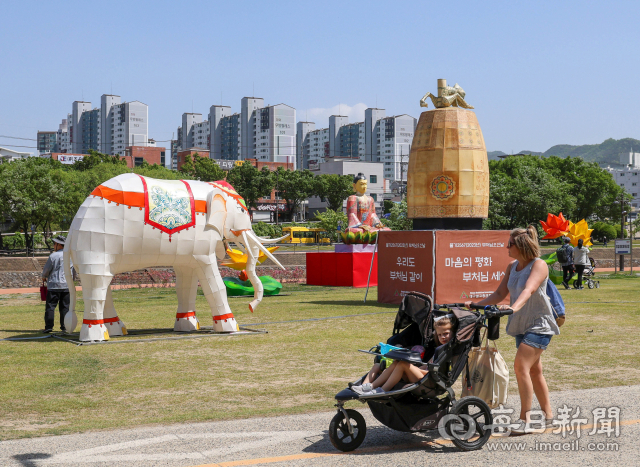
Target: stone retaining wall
x=155, y=276
x=19, y=280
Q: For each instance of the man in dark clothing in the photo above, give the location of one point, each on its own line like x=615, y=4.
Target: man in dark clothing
x=567, y=267
x=57, y=289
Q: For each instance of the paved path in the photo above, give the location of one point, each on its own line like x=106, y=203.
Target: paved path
x=302, y=440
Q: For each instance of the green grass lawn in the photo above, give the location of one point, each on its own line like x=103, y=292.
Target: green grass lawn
x=52, y=387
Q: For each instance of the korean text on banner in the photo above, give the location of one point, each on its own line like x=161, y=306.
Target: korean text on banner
x=405, y=264
x=469, y=264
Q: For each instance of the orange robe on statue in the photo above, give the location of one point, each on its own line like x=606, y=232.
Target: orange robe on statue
x=361, y=212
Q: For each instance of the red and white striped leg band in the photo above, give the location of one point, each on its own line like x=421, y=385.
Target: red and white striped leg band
x=91, y=322
x=224, y=318
x=185, y=315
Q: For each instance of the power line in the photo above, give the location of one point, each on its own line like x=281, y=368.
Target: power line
x=16, y=137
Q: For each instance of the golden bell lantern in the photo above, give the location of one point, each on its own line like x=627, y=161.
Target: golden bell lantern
x=448, y=176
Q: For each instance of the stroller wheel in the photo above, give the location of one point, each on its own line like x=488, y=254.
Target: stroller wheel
x=597, y=284
x=466, y=423
x=590, y=284
x=575, y=284
x=339, y=431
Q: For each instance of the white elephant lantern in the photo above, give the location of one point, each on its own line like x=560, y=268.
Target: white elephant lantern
x=132, y=222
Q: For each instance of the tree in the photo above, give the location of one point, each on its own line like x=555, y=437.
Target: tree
x=95, y=158
x=634, y=227
x=398, y=219
x=329, y=221
x=387, y=205
x=294, y=186
x=593, y=188
x=603, y=229
x=250, y=183
x=333, y=189
x=201, y=168
x=262, y=229
x=522, y=192
x=37, y=193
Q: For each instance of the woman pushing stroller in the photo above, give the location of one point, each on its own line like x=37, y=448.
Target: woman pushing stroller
x=402, y=370
x=532, y=322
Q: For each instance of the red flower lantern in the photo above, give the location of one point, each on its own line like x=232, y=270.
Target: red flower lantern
x=556, y=226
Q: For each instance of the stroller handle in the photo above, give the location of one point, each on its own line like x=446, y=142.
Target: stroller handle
x=490, y=311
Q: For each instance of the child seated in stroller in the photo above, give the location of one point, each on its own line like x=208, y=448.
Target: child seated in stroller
x=402, y=370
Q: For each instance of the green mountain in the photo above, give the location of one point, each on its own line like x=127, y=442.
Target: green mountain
x=607, y=152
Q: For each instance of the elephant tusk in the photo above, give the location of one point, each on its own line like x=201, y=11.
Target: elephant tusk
x=264, y=250
x=270, y=240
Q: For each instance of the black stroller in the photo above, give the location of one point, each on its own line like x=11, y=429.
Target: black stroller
x=421, y=406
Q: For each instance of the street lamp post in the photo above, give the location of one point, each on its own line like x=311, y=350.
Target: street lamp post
x=622, y=236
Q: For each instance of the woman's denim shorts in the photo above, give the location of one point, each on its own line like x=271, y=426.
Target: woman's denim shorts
x=539, y=341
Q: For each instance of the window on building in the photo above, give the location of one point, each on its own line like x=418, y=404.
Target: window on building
x=373, y=179
x=374, y=196
x=634, y=184
x=138, y=161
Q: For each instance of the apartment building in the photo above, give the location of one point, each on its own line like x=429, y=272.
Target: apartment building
x=47, y=141
x=267, y=134
x=78, y=109
x=230, y=138
x=109, y=129
x=378, y=139
x=274, y=134
x=394, y=144
x=315, y=148
x=248, y=107
x=627, y=176
x=62, y=136
x=302, y=129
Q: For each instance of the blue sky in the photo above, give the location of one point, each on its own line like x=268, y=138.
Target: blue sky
x=539, y=73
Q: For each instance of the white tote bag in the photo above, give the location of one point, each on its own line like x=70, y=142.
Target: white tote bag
x=488, y=375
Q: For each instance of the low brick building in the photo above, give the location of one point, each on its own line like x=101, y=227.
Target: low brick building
x=191, y=152
x=134, y=155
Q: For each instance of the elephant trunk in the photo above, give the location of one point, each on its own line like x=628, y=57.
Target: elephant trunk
x=253, y=251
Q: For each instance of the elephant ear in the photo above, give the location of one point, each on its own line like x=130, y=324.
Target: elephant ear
x=216, y=212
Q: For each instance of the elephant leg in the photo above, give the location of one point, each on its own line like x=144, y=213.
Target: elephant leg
x=95, y=289
x=216, y=294
x=112, y=322
x=187, y=289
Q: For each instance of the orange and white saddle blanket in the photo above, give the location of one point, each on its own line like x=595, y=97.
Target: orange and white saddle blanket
x=169, y=205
